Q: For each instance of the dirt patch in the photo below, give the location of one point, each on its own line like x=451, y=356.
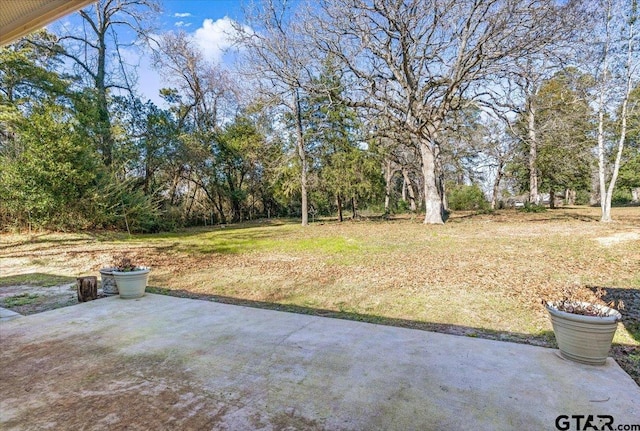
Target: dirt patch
x=28, y=299
x=110, y=391
x=618, y=238
x=99, y=388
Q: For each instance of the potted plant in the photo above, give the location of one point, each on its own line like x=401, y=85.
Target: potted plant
x=584, y=331
x=131, y=279
x=108, y=281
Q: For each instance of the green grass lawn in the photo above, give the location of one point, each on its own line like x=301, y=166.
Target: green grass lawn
x=478, y=275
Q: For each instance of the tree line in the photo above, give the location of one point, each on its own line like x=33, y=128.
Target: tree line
x=331, y=107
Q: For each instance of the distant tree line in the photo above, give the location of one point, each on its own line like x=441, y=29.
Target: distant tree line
x=334, y=107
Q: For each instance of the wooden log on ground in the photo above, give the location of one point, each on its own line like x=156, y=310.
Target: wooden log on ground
x=87, y=288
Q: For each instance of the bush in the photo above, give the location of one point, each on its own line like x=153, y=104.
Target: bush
x=123, y=206
x=621, y=197
x=403, y=207
x=583, y=197
x=463, y=198
x=532, y=208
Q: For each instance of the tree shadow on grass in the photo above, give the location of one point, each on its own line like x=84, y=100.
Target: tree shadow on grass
x=627, y=302
x=580, y=217
x=232, y=239
x=44, y=239
x=199, y=230
x=38, y=243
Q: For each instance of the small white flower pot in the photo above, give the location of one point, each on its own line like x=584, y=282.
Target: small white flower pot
x=108, y=282
x=131, y=284
x=584, y=339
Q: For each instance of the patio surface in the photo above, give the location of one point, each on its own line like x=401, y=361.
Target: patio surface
x=162, y=362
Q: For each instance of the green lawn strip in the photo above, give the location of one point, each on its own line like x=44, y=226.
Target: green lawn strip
x=20, y=299
x=35, y=279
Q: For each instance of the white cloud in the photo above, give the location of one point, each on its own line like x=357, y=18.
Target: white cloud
x=182, y=24
x=181, y=15
x=214, y=37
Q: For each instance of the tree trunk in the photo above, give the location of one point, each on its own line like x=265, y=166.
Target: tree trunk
x=191, y=201
x=496, y=188
x=552, y=199
x=354, y=207
x=105, y=136
x=623, y=125
x=220, y=207
x=388, y=176
x=440, y=182
x=404, y=189
x=174, y=186
x=87, y=288
x=606, y=193
x=339, y=202
x=303, y=159
x=408, y=186
x=570, y=197
x=432, y=199
x=533, y=155
x=236, y=210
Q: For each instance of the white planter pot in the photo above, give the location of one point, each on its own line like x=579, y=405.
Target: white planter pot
x=584, y=339
x=108, y=282
x=131, y=284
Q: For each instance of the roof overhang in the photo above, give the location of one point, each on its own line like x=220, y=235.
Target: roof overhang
x=20, y=17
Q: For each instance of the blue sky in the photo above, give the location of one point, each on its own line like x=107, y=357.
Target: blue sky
x=208, y=22
x=192, y=13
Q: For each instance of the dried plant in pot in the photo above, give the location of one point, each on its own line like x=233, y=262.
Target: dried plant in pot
x=131, y=279
x=584, y=331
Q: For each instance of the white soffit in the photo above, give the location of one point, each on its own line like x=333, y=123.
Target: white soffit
x=21, y=17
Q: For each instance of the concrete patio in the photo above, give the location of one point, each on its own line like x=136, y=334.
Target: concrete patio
x=161, y=362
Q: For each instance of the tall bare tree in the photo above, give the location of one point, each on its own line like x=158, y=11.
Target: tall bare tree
x=498, y=150
x=513, y=100
x=416, y=61
x=203, y=96
x=400, y=156
x=91, y=49
x=618, y=65
x=278, y=61
x=203, y=87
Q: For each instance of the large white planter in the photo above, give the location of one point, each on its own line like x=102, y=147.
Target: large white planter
x=131, y=284
x=108, y=282
x=584, y=339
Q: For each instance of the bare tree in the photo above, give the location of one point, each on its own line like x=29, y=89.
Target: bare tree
x=498, y=150
x=90, y=49
x=512, y=100
x=617, y=66
x=278, y=61
x=203, y=87
x=408, y=191
x=416, y=61
x=399, y=157
x=517, y=96
x=203, y=97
